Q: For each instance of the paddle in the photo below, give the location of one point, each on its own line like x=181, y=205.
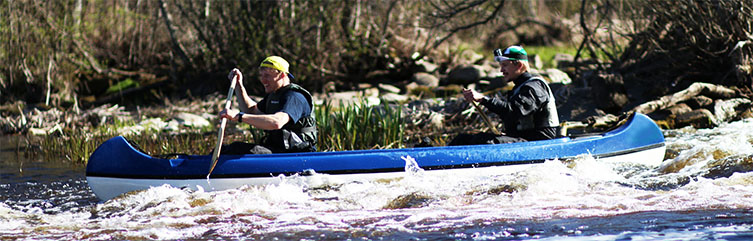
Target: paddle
x=221, y=133
x=486, y=118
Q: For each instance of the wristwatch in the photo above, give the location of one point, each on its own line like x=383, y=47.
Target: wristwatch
x=240, y=116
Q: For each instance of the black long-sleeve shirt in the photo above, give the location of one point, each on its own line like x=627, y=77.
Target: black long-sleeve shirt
x=525, y=100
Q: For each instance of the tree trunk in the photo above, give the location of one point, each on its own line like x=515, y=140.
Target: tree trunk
x=177, y=46
x=694, y=90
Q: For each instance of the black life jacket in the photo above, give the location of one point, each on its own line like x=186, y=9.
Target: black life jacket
x=544, y=117
x=300, y=136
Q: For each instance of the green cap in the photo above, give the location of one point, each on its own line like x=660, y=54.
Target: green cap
x=511, y=53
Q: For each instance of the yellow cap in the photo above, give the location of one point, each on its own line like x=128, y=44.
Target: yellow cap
x=276, y=62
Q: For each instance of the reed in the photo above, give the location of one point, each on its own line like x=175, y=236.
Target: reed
x=342, y=127
x=359, y=126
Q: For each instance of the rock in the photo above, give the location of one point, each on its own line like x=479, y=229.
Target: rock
x=534, y=61
x=363, y=86
x=700, y=118
x=191, y=120
x=370, y=92
x=558, y=76
x=130, y=130
x=425, y=79
x=494, y=73
x=563, y=60
x=410, y=87
x=208, y=116
x=425, y=66
x=155, y=124
x=351, y=97
x=609, y=92
x=389, y=88
x=151, y=124
x=393, y=97
x=495, y=78
x=449, y=90
x=497, y=82
x=342, y=98
x=470, y=57
x=172, y=126
x=420, y=91
x=465, y=74
x=725, y=110
x=37, y=131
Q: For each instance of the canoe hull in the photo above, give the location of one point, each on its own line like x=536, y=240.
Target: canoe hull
x=116, y=167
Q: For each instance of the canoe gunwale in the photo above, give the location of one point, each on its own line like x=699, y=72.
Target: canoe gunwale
x=118, y=166
x=362, y=171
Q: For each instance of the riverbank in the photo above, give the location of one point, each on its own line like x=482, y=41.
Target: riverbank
x=426, y=107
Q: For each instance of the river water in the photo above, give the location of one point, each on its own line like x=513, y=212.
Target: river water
x=703, y=191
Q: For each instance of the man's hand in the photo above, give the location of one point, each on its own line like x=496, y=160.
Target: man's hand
x=235, y=75
x=471, y=95
x=230, y=114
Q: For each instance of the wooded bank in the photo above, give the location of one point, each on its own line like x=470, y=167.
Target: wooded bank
x=81, y=54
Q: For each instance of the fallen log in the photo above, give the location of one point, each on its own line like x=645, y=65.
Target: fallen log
x=706, y=89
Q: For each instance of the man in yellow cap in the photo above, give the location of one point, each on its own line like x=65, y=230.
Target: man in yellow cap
x=286, y=113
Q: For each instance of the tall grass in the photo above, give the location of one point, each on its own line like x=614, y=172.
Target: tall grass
x=77, y=146
x=342, y=127
x=359, y=126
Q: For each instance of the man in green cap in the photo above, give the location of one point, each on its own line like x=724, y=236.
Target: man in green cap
x=286, y=113
x=528, y=112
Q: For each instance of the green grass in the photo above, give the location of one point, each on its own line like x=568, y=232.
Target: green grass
x=122, y=85
x=547, y=53
x=359, y=126
x=347, y=127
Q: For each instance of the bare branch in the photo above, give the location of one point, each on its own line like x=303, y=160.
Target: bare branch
x=489, y=18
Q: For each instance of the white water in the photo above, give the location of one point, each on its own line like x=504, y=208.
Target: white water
x=583, y=188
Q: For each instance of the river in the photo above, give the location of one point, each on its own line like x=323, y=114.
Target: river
x=704, y=191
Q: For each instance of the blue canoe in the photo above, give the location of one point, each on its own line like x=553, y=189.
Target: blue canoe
x=117, y=167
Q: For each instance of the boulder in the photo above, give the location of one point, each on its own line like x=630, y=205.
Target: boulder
x=389, y=88
x=470, y=57
x=394, y=98
x=465, y=74
x=154, y=124
x=425, y=66
x=558, y=76
x=700, y=118
x=449, y=90
x=370, y=92
x=37, y=131
x=425, y=79
x=534, y=61
x=563, y=60
x=191, y=120
x=497, y=82
x=351, y=97
x=609, y=92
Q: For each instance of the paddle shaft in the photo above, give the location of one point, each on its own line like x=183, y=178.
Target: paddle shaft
x=486, y=118
x=221, y=133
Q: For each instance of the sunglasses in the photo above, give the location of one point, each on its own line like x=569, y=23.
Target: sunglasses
x=498, y=55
